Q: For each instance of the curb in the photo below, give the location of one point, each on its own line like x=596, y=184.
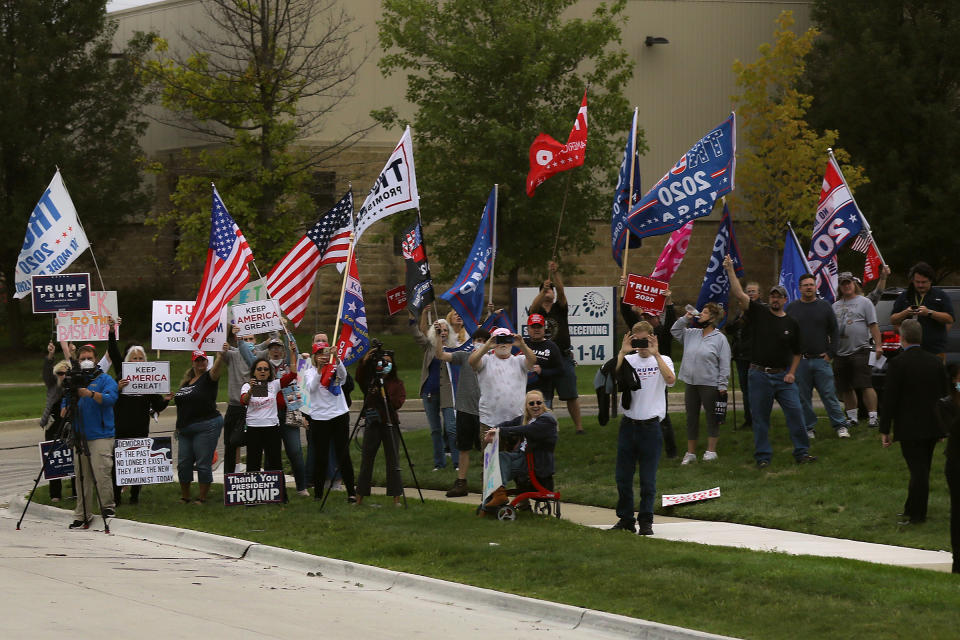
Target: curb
x=574, y=617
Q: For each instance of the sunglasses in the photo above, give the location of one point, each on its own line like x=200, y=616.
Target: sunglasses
x=535, y=403
x=262, y=369
x=61, y=373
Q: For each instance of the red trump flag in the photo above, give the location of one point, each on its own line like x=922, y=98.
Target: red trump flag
x=547, y=156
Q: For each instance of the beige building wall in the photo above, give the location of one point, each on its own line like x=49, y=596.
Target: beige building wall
x=682, y=89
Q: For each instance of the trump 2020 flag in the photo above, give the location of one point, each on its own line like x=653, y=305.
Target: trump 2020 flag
x=621, y=202
x=548, y=157
x=395, y=189
x=419, y=285
x=354, y=340
x=793, y=266
x=225, y=273
x=466, y=294
x=838, y=221
x=689, y=189
x=673, y=253
x=716, y=283
x=54, y=237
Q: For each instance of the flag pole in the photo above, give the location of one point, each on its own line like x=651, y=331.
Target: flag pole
x=859, y=210
x=433, y=304
x=796, y=242
x=626, y=242
x=493, y=257
x=563, y=207
x=96, y=267
x=343, y=290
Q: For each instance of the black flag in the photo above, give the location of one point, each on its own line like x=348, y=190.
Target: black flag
x=419, y=285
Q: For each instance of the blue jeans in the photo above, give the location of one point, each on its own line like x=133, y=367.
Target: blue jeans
x=196, y=444
x=291, y=443
x=431, y=406
x=764, y=387
x=639, y=442
x=817, y=373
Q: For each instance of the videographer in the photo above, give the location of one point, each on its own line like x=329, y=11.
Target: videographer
x=378, y=371
x=94, y=394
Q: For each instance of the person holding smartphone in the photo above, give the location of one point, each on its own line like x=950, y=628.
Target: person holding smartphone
x=502, y=376
x=259, y=396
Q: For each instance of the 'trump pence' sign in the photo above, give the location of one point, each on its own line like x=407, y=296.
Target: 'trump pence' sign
x=170, y=329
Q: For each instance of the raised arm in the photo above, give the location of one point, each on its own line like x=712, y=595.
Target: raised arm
x=736, y=291
x=557, y=282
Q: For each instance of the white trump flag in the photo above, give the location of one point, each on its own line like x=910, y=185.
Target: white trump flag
x=54, y=237
x=395, y=189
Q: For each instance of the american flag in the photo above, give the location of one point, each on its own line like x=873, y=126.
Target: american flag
x=862, y=242
x=225, y=274
x=290, y=281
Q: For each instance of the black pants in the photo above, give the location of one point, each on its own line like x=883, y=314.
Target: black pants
x=233, y=420
x=264, y=442
x=918, y=454
x=322, y=433
x=952, y=471
x=666, y=428
x=374, y=434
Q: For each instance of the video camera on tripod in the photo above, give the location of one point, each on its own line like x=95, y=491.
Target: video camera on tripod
x=379, y=356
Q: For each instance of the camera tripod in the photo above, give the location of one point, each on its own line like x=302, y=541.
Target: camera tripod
x=376, y=389
x=69, y=431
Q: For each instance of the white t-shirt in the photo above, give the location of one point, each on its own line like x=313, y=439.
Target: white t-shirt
x=503, y=387
x=325, y=405
x=649, y=401
x=262, y=411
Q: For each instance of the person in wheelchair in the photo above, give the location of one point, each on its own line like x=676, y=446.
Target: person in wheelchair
x=538, y=430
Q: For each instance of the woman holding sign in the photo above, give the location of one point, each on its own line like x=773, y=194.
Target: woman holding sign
x=259, y=396
x=198, y=424
x=131, y=413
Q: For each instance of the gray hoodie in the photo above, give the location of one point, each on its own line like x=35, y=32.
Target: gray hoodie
x=706, y=359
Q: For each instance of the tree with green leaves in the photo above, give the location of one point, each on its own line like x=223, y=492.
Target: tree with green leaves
x=254, y=84
x=887, y=76
x=70, y=99
x=781, y=158
x=486, y=78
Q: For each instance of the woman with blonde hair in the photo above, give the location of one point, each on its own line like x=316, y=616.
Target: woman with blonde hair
x=436, y=390
x=457, y=332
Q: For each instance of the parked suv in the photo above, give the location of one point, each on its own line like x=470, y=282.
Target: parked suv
x=891, y=337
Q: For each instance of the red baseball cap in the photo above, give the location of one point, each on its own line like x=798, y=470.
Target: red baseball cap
x=535, y=318
x=319, y=346
x=197, y=355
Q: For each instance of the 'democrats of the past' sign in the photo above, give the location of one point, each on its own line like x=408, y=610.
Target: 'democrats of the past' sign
x=54, y=237
x=170, y=329
x=143, y=461
x=395, y=189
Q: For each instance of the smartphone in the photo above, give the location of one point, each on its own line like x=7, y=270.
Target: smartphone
x=258, y=389
x=640, y=343
x=504, y=340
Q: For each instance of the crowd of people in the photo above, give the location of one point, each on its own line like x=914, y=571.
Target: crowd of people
x=506, y=384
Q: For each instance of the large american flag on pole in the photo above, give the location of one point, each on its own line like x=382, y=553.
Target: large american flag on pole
x=224, y=275
x=290, y=282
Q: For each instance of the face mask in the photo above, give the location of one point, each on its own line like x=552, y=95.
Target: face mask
x=276, y=362
x=87, y=364
x=387, y=368
x=956, y=385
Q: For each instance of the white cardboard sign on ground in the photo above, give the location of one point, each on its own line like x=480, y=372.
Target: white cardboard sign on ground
x=696, y=496
x=90, y=325
x=170, y=329
x=143, y=461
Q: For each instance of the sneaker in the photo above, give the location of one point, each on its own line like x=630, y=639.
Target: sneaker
x=437, y=468
x=763, y=464
x=811, y=433
x=843, y=432
x=303, y=492
x=624, y=526
x=459, y=489
x=806, y=459
x=79, y=524
x=645, y=529
x=108, y=512
x=874, y=423
x=688, y=458
x=709, y=455
x=241, y=468
x=851, y=424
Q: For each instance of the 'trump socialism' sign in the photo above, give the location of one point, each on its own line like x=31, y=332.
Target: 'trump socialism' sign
x=170, y=328
x=91, y=324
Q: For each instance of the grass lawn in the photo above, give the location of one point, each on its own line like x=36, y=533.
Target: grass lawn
x=721, y=590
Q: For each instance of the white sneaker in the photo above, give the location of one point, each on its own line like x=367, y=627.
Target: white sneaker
x=709, y=455
x=842, y=432
x=240, y=468
x=811, y=433
x=688, y=458
x=874, y=423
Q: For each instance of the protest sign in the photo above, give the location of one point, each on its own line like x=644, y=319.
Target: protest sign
x=590, y=311
x=170, y=328
x=89, y=325
x=253, y=291
x=143, y=461
x=146, y=378
x=64, y=292
x=259, y=316
x=396, y=299
x=491, y=467
x=260, y=487
x=696, y=496
x=646, y=293
x=57, y=459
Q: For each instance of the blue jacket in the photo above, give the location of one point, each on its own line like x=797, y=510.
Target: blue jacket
x=95, y=420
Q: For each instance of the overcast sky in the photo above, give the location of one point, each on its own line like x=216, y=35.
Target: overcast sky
x=116, y=5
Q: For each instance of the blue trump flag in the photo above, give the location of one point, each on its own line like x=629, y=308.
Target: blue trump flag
x=618, y=221
x=466, y=294
x=716, y=283
x=689, y=189
x=793, y=266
